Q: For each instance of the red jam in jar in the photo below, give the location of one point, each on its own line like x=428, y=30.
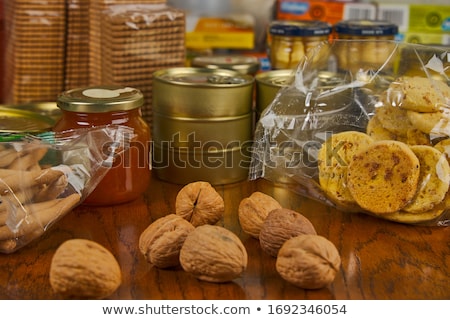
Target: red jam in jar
x=91, y=107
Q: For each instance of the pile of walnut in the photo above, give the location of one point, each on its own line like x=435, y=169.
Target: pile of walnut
x=190, y=238
x=31, y=197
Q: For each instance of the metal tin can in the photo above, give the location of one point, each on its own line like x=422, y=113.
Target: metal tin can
x=367, y=43
x=97, y=106
x=267, y=86
x=202, y=125
x=240, y=63
x=289, y=41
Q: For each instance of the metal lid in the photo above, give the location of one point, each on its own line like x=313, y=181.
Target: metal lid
x=100, y=99
x=19, y=121
x=203, y=77
x=239, y=63
x=366, y=27
x=302, y=28
x=276, y=78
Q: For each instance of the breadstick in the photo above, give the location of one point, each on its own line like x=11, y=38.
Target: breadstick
x=51, y=191
x=29, y=159
x=41, y=215
x=14, y=180
x=7, y=156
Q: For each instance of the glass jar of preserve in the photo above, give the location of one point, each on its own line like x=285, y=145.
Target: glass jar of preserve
x=367, y=44
x=289, y=41
x=91, y=107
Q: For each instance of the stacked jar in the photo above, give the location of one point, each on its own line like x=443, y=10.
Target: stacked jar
x=367, y=44
x=289, y=41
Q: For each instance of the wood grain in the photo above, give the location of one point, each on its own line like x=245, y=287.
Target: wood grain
x=380, y=259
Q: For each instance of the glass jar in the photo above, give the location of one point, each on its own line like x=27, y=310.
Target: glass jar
x=289, y=41
x=368, y=43
x=91, y=107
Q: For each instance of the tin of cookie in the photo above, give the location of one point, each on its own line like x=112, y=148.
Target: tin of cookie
x=434, y=179
x=383, y=178
x=333, y=158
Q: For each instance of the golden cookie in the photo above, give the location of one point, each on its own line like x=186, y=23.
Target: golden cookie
x=434, y=179
x=419, y=94
x=376, y=130
x=394, y=119
x=417, y=137
x=425, y=121
x=407, y=217
x=383, y=177
x=333, y=159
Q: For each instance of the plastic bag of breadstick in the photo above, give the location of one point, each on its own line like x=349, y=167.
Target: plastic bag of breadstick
x=42, y=178
x=363, y=127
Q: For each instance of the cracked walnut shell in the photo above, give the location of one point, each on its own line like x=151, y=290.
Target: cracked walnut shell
x=199, y=203
x=84, y=269
x=214, y=254
x=162, y=240
x=253, y=210
x=308, y=261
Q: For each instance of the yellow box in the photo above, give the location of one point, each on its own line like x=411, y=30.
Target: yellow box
x=221, y=33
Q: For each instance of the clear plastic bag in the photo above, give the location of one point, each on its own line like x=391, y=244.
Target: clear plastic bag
x=349, y=86
x=44, y=177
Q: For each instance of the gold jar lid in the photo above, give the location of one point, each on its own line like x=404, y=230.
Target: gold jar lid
x=99, y=99
x=21, y=121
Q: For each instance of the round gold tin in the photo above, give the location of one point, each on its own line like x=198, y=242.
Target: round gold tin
x=202, y=125
x=240, y=63
x=267, y=86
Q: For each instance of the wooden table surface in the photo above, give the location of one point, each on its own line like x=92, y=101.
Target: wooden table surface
x=380, y=259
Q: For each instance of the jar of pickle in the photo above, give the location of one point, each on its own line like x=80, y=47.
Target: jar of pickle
x=367, y=43
x=99, y=106
x=289, y=41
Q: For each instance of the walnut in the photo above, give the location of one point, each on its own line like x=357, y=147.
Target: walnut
x=308, y=261
x=84, y=269
x=214, y=254
x=199, y=203
x=253, y=210
x=281, y=225
x=161, y=242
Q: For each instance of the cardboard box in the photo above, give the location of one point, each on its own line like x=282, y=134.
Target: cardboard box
x=328, y=11
x=416, y=17
x=427, y=38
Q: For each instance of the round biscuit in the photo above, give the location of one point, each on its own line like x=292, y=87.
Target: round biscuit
x=434, y=179
x=425, y=121
x=394, y=119
x=383, y=178
x=419, y=94
x=333, y=158
x=375, y=130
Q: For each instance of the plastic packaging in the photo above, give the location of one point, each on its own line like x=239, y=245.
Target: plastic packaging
x=404, y=98
x=43, y=178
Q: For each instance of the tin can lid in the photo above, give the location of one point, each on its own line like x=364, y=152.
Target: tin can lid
x=99, y=99
x=240, y=63
x=276, y=78
x=301, y=28
x=366, y=27
x=21, y=121
x=203, y=77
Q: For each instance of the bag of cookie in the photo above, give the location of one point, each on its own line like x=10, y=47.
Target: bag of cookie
x=44, y=176
x=369, y=136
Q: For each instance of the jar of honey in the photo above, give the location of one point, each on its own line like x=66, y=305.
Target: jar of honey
x=98, y=106
x=289, y=41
